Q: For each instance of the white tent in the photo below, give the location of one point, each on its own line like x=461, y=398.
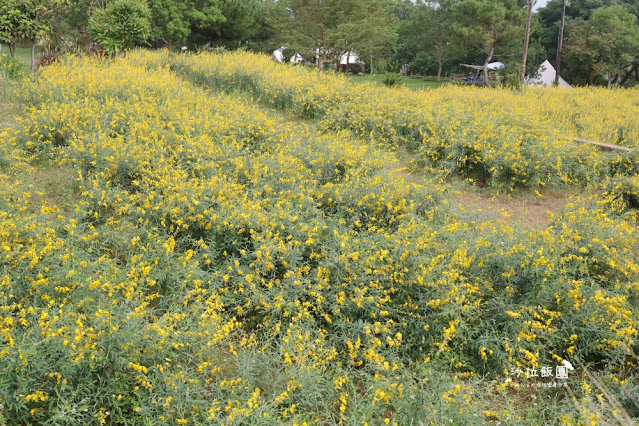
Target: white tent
x=349, y=58
x=493, y=66
x=296, y=59
x=546, y=77
x=278, y=55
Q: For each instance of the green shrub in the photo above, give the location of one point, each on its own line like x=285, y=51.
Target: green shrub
x=392, y=79
x=10, y=68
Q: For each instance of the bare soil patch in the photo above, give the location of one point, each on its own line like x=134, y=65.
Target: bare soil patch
x=529, y=209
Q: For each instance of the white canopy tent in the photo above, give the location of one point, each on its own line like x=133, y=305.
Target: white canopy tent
x=278, y=55
x=349, y=58
x=493, y=66
x=546, y=77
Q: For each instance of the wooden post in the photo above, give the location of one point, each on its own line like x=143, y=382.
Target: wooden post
x=602, y=145
x=526, y=41
x=560, y=42
x=32, y=56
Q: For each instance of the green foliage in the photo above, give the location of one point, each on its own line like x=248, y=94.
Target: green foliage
x=605, y=45
x=172, y=21
x=374, y=32
x=328, y=28
x=69, y=30
x=11, y=22
x=243, y=20
x=426, y=38
x=579, y=68
x=488, y=25
x=10, y=68
x=23, y=21
x=168, y=21
x=121, y=25
x=391, y=79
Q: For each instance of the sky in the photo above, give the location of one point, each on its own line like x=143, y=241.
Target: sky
x=540, y=4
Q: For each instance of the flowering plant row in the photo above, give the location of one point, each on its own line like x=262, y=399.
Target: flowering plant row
x=504, y=138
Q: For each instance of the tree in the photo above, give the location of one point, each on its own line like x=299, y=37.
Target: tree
x=375, y=31
x=426, y=38
x=21, y=20
x=41, y=13
x=577, y=11
x=329, y=28
x=486, y=24
x=172, y=20
x=13, y=20
x=26, y=20
x=606, y=45
x=121, y=25
x=244, y=21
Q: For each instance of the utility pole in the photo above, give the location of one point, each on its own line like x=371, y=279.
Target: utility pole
x=526, y=41
x=560, y=43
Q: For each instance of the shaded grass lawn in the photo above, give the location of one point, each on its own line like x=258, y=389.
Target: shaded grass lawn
x=410, y=82
x=23, y=54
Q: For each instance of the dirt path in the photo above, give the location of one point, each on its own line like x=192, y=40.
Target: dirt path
x=529, y=210
x=526, y=208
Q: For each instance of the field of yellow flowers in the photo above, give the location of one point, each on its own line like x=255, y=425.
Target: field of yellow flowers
x=213, y=260
x=505, y=138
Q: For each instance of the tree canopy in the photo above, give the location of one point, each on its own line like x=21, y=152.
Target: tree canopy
x=605, y=45
x=24, y=20
x=488, y=25
x=172, y=20
x=433, y=37
x=329, y=28
x=121, y=25
x=426, y=37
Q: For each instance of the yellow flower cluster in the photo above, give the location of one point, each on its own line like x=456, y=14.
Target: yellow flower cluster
x=217, y=262
x=507, y=139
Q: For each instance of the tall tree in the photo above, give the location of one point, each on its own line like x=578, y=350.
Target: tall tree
x=375, y=32
x=487, y=24
x=14, y=21
x=605, y=45
x=244, y=21
x=329, y=28
x=23, y=20
x=172, y=20
x=26, y=21
x=577, y=11
x=426, y=38
x=121, y=25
